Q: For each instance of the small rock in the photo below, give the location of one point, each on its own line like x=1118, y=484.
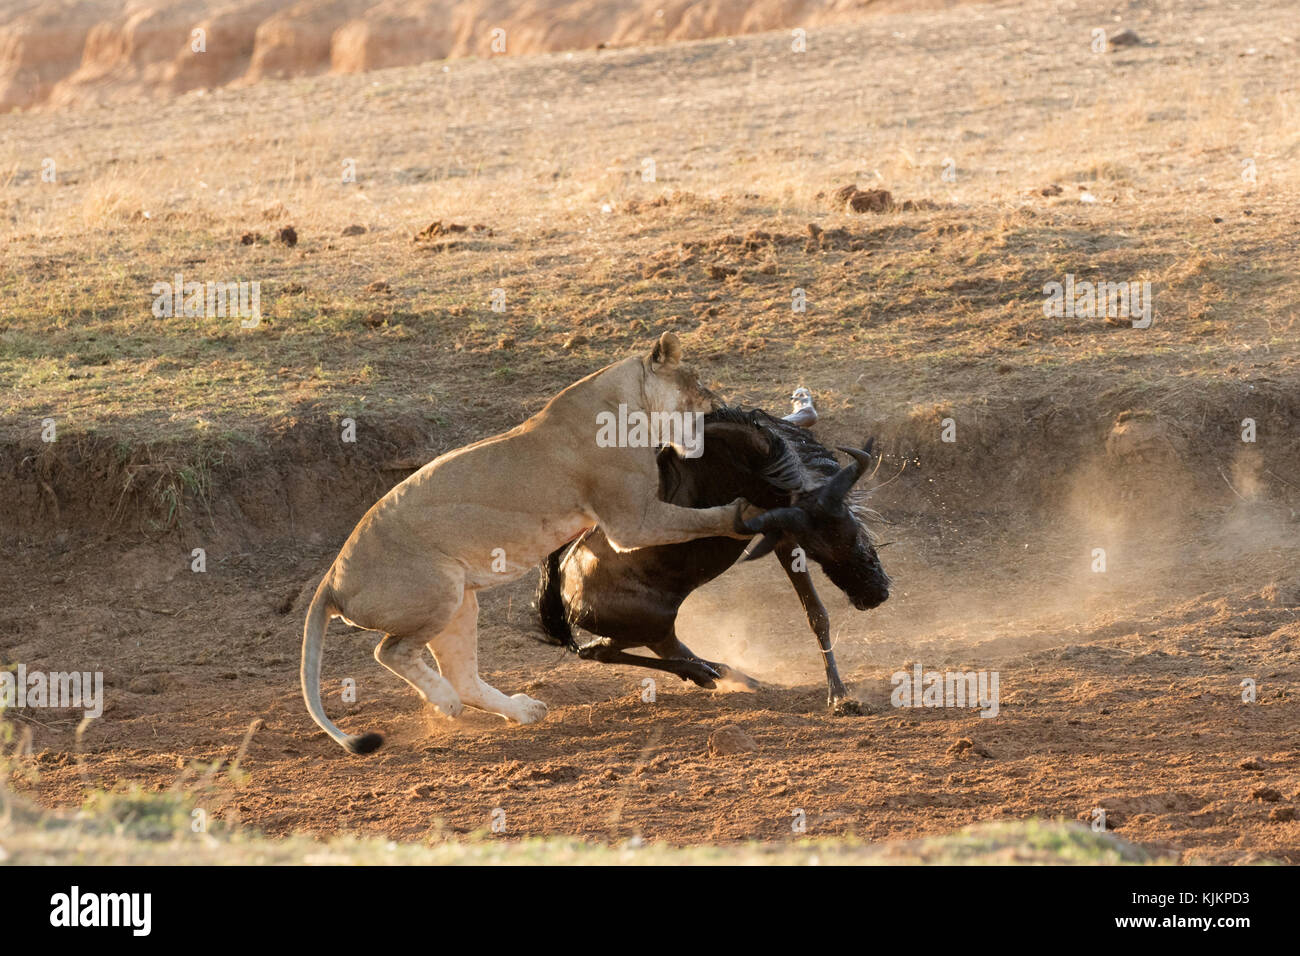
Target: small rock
x=871, y=200
x=438, y=228
x=730, y=740
x=1282, y=593
x=852, y=199
x=288, y=236
x=1282, y=814
x=962, y=745
x=1123, y=38
x=146, y=684
x=845, y=193
x=354, y=230
x=1139, y=435
x=1267, y=794
x=1251, y=763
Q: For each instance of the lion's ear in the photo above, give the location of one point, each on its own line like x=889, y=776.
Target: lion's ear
x=668, y=351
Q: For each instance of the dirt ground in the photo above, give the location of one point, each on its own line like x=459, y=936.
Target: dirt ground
x=1120, y=690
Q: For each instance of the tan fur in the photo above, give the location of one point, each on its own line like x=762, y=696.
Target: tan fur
x=411, y=567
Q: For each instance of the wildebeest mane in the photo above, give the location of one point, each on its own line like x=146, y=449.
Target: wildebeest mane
x=796, y=461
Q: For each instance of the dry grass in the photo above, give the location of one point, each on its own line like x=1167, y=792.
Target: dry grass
x=134, y=828
x=917, y=306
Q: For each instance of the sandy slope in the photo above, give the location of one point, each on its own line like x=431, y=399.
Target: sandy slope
x=60, y=52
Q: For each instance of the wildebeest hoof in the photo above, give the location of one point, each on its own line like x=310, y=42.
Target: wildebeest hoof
x=530, y=711
x=699, y=672
x=848, y=707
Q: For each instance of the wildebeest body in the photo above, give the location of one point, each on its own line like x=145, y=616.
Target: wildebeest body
x=631, y=599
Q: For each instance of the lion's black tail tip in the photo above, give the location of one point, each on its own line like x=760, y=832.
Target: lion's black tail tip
x=364, y=744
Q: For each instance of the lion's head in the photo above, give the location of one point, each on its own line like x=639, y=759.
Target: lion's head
x=670, y=384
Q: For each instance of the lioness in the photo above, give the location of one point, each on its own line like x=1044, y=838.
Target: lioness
x=413, y=565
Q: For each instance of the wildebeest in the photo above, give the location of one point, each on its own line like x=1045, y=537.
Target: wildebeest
x=631, y=598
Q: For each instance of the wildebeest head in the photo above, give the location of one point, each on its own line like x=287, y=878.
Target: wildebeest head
x=824, y=523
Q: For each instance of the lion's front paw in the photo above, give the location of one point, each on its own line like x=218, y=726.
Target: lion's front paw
x=742, y=519
x=530, y=711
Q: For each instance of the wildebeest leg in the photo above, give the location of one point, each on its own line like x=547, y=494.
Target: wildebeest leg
x=671, y=648
x=602, y=649
x=837, y=697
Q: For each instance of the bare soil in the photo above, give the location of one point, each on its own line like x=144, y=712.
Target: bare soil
x=1118, y=691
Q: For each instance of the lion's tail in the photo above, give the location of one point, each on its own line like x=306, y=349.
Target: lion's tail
x=554, y=618
x=313, y=633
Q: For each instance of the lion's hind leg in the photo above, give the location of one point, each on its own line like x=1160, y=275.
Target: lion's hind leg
x=402, y=649
x=456, y=650
x=404, y=656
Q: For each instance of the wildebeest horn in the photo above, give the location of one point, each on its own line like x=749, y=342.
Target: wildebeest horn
x=861, y=455
x=835, y=489
x=761, y=547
